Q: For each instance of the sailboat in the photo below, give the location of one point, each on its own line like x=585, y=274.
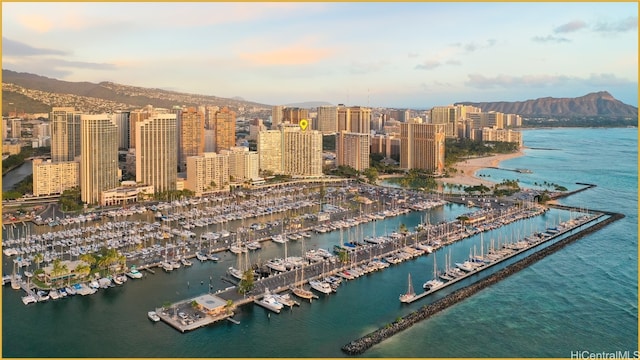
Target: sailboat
x=410, y=294
x=433, y=283
x=297, y=289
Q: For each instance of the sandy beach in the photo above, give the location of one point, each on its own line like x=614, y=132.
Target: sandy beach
x=466, y=169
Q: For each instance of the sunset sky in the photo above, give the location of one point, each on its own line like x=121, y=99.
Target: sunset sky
x=378, y=54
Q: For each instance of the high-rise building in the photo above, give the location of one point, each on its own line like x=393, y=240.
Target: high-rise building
x=225, y=128
x=206, y=173
x=270, y=151
x=243, y=164
x=354, y=119
x=291, y=151
x=294, y=115
x=301, y=152
x=277, y=112
x=504, y=135
x=122, y=120
x=156, y=155
x=192, y=136
x=360, y=120
x=135, y=117
x=352, y=149
x=16, y=128
x=386, y=144
x=422, y=146
x=99, y=156
x=54, y=178
x=344, y=118
x=327, y=119
x=209, y=117
x=65, y=134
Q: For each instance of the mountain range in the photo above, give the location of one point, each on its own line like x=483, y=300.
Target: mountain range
x=34, y=93
x=594, y=104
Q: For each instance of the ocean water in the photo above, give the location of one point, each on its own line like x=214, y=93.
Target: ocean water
x=582, y=298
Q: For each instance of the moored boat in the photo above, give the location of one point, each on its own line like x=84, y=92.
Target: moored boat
x=153, y=316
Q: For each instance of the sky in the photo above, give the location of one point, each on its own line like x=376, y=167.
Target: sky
x=403, y=55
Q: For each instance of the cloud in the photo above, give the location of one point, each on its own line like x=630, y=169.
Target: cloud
x=628, y=24
x=550, y=38
x=16, y=48
x=429, y=65
x=453, y=62
x=474, y=46
x=368, y=67
x=413, y=55
x=52, y=67
x=296, y=54
x=543, y=80
x=570, y=27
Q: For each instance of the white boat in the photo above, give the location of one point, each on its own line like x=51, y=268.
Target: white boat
x=166, y=266
x=53, y=294
x=434, y=283
x=186, y=262
x=153, y=316
x=70, y=290
x=279, y=238
x=134, y=273
x=235, y=273
x=175, y=264
x=201, y=257
x=276, y=264
x=321, y=286
x=213, y=257
x=29, y=299
x=42, y=295
x=410, y=294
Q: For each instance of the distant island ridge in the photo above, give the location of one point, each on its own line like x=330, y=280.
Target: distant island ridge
x=16, y=86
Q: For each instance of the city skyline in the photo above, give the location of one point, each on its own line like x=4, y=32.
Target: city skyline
x=414, y=55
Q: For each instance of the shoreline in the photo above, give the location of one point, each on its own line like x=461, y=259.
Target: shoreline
x=467, y=169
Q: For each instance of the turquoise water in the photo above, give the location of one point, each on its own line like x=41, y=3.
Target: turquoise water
x=583, y=297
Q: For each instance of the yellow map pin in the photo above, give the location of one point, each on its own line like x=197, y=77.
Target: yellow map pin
x=303, y=124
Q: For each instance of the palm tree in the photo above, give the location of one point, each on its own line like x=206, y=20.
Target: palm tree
x=38, y=258
x=229, y=306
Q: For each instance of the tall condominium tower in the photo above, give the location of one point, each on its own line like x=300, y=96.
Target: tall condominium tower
x=294, y=115
x=192, y=136
x=327, y=119
x=225, y=128
x=65, y=134
x=270, y=151
x=301, y=151
x=156, y=155
x=135, y=117
x=122, y=120
x=290, y=151
x=99, y=156
x=207, y=172
x=352, y=149
x=354, y=119
x=276, y=116
x=422, y=146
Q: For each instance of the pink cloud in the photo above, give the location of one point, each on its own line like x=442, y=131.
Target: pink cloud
x=290, y=55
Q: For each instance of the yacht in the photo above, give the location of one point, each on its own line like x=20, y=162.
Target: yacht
x=185, y=262
x=201, y=256
x=321, y=286
x=134, y=273
x=153, y=316
x=167, y=266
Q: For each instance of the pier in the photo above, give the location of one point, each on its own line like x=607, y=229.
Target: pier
x=487, y=266
x=360, y=345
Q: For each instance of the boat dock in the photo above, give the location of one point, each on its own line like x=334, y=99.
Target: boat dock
x=504, y=258
x=359, y=346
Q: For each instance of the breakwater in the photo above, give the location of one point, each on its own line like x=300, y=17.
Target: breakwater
x=360, y=345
